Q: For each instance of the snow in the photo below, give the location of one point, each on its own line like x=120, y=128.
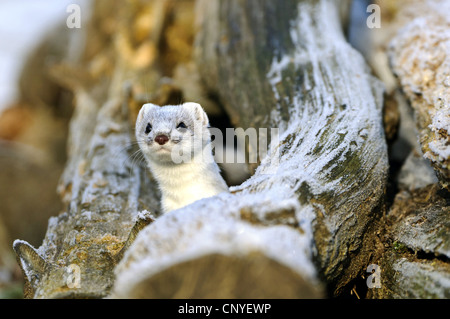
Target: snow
x=421, y=59
x=214, y=225
x=29, y=272
x=350, y=125
x=143, y=215
x=431, y=279
x=87, y=215
x=441, y=122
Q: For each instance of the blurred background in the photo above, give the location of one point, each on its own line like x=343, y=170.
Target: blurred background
x=35, y=108
x=34, y=116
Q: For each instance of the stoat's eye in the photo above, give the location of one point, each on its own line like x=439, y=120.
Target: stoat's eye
x=181, y=125
x=148, y=128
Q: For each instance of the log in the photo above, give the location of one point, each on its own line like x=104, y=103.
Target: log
x=415, y=263
x=101, y=188
x=311, y=205
x=102, y=199
x=302, y=226
x=420, y=58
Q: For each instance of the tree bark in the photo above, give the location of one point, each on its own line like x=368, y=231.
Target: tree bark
x=100, y=187
x=302, y=225
x=420, y=58
x=296, y=73
x=415, y=263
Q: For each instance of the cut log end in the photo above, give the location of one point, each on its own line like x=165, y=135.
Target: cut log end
x=220, y=276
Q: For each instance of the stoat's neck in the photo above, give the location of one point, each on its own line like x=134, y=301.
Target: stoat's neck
x=195, y=173
x=174, y=175
x=182, y=184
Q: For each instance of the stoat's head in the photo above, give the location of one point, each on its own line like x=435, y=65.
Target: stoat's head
x=172, y=133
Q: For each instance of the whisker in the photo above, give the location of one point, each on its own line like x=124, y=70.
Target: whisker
x=121, y=149
x=137, y=157
x=134, y=155
x=123, y=155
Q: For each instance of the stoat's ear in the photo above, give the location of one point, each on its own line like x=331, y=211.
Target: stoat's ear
x=145, y=109
x=198, y=111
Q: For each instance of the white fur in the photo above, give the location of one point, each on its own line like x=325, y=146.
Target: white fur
x=194, y=175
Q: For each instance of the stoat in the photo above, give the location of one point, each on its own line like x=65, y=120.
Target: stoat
x=176, y=144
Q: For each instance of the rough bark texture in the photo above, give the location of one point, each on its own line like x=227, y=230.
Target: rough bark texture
x=312, y=85
x=100, y=188
x=326, y=173
x=307, y=222
x=102, y=197
x=420, y=57
x=415, y=263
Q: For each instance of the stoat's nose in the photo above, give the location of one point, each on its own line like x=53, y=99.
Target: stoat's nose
x=161, y=139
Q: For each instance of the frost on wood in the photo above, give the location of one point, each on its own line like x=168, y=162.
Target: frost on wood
x=415, y=264
x=327, y=106
x=212, y=249
x=102, y=189
x=330, y=163
x=414, y=279
x=101, y=192
x=425, y=226
x=420, y=57
x=306, y=213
